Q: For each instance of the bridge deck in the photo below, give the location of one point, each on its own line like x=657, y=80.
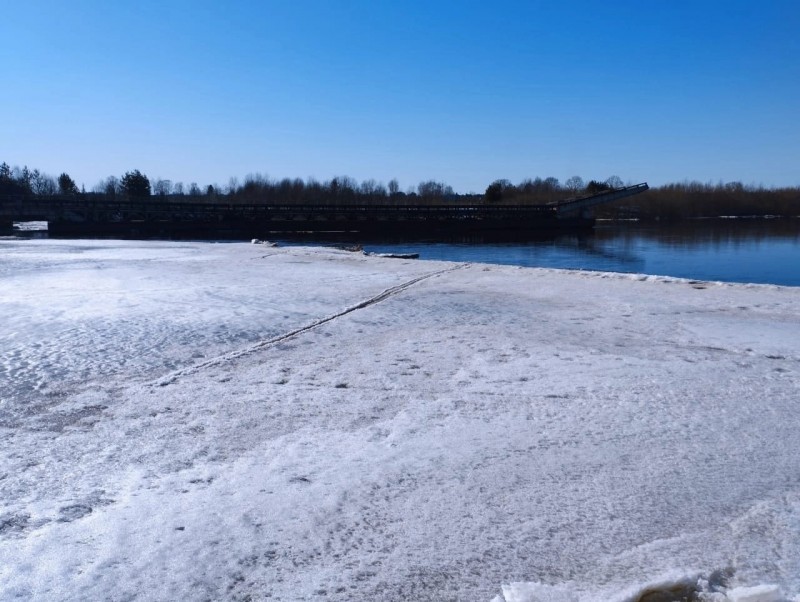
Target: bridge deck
x=93, y=212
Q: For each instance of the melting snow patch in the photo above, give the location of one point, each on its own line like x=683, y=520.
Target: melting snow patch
x=683, y=589
x=759, y=593
x=536, y=592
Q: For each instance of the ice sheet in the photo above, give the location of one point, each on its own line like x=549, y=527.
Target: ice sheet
x=189, y=420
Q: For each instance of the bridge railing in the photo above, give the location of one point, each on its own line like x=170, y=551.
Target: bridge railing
x=100, y=209
x=601, y=198
x=76, y=208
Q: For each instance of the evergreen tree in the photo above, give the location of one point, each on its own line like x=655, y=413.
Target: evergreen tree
x=66, y=185
x=8, y=183
x=135, y=184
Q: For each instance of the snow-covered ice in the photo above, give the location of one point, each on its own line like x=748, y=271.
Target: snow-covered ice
x=234, y=421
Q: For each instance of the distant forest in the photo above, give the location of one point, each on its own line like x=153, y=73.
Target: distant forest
x=669, y=202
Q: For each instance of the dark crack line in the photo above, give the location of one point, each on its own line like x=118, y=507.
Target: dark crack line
x=234, y=355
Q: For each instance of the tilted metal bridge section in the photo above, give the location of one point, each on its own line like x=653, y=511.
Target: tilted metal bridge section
x=155, y=215
x=583, y=204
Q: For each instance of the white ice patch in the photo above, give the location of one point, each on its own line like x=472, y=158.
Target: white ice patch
x=689, y=587
x=758, y=593
x=345, y=427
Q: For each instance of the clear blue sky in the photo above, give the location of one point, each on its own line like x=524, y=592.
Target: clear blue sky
x=462, y=92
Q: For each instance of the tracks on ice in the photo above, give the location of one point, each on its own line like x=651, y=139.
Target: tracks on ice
x=234, y=355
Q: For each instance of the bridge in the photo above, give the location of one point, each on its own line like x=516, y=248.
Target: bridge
x=94, y=215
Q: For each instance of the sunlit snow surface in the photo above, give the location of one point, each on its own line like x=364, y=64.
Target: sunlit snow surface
x=217, y=421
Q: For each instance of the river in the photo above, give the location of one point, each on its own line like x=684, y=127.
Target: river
x=763, y=251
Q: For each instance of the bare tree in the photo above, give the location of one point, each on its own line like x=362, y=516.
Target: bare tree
x=551, y=184
x=434, y=190
x=110, y=186
x=342, y=189
x=162, y=187
x=574, y=184
x=380, y=191
x=22, y=177
x=42, y=183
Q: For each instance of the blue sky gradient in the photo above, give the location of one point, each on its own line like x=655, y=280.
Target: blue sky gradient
x=461, y=92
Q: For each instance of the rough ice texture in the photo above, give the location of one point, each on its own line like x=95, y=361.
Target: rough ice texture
x=224, y=421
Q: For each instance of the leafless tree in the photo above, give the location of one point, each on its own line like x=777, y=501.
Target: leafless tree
x=574, y=184
x=42, y=184
x=109, y=186
x=162, y=187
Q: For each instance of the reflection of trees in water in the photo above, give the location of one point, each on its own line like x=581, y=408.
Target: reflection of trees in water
x=702, y=232
x=592, y=246
x=707, y=245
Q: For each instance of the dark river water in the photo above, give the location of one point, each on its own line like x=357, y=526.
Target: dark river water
x=763, y=251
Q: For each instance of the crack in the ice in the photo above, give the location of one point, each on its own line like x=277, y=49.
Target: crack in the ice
x=228, y=357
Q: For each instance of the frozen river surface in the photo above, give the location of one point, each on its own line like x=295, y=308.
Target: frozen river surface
x=230, y=421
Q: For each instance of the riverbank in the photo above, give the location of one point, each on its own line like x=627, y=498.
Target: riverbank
x=763, y=251
x=190, y=420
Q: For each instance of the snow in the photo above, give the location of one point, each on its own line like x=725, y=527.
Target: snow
x=223, y=421
x=30, y=226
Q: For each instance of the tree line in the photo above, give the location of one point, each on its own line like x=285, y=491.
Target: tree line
x=671, y=201
x=693, y=200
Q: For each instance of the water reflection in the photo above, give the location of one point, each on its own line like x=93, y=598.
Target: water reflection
x=759, y=251
x=704, y=232
x=620, y=254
